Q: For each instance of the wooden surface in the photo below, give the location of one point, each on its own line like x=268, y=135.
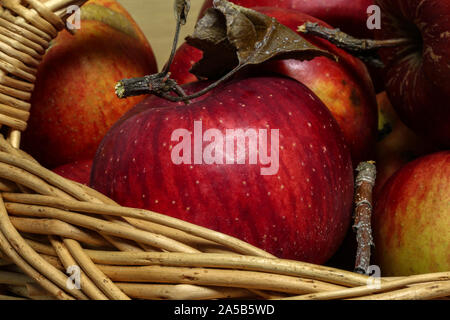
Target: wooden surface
x=157, y=21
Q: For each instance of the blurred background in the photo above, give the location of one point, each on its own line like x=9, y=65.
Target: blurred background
x=157, y=21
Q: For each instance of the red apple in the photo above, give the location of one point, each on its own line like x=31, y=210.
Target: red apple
x=398, y=144
x=79, y=171
x=418, y=73
x=344, y=86
x=300, y=208
x=73, y=104
x=412, y=218
x=348, y=15
x=186, y=56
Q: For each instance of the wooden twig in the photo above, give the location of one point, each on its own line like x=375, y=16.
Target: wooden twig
x=98, y=277
x=181, y=292
x=87, y=286
x=115, y=210
x=427, y=291
x=215, y=277
x=365, y=182
x=25, y=267
x=385, y=286
x=31, y=256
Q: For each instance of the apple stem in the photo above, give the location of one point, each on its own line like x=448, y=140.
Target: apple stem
x=161, y=85
x=365, y=49
x=181, y=8
x=174, y=48
x=365, y=181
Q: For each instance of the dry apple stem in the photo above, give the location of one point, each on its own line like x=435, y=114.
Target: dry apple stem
x=365, y=49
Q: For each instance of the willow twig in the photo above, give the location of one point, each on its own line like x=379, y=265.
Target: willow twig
x=427, y=291
x=100, y=226
x=97, y=276
x=229, y=261
x=31, y=256
x=181, y=292
x=215, y=277
x=25, y=267
x=365, y=182
x=371, y=290
x=104, y=209
x=57, y=227
x=86, y=284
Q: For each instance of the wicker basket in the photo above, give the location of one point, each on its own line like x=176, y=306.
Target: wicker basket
x=49, y=224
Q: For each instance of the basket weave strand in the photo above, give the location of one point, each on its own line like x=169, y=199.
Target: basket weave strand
x=49, y=224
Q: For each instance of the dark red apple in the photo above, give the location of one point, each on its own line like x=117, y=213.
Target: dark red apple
x=344, y=86
x=348, y=15
x=79, y=171
x=418, y=73
x=412, y=218
x=295, y=204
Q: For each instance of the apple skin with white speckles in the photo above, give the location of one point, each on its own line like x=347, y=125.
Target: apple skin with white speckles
x=78, y=171
x=301, y=212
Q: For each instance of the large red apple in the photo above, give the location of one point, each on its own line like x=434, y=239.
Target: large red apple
x=348, y=15
x=344, y=86
x=418, y=73
x=78, y=171
x=412, y=218
x=73, y=104
x=295, y=204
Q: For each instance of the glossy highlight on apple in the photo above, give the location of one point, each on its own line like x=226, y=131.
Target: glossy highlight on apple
x=229, y=148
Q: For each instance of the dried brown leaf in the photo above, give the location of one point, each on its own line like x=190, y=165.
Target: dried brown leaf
x=230, y=35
